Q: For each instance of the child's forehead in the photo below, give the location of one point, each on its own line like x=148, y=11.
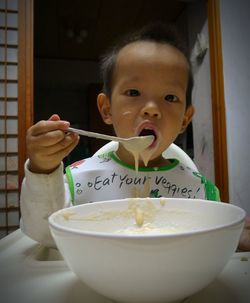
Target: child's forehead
x=151, y=52
x=159, y=58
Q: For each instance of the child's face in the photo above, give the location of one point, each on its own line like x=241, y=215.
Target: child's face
x=148, y=94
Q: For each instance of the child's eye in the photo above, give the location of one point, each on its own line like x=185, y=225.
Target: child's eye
x=132, y=93
x=171, y=98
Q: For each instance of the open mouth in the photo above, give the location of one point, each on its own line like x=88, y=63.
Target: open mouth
x=148, y=132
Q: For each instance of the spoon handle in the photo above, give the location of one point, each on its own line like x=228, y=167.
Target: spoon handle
x=96, y=135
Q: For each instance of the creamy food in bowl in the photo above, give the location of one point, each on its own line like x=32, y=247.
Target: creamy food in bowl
x=150, y=249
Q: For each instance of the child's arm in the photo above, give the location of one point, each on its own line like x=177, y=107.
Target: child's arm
x=41, y=195
x=43, y=190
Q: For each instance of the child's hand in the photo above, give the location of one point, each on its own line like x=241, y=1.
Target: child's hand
x=244, y=243
x=47, y=144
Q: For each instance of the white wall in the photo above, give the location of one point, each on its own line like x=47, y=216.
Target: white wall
x=202, y=121
x=235, y=25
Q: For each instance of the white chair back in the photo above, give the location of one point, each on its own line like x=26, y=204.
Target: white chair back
x=173, y=151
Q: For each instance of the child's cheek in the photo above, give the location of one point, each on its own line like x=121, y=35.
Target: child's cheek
x=127, y=115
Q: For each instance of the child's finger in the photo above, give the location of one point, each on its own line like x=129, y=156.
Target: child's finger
x=247, y=223
x=47, y=126
x=55, y=145
x=60, y=153
x=54, y=117
x=52, y=138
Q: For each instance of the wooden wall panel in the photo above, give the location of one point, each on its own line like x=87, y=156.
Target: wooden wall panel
x=218, y=102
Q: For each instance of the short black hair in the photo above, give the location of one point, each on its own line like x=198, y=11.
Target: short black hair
x=154, y=32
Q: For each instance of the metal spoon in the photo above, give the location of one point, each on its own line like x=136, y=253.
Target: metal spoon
x=131, y=144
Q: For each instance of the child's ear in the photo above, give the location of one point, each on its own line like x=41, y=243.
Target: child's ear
x=103, y=104
x=187, y=117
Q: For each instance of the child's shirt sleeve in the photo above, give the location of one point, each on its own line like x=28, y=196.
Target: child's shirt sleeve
x=41, y=195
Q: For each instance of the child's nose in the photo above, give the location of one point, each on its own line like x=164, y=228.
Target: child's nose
x=152, y=110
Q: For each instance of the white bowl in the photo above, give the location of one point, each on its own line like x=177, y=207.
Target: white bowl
x=162, y=266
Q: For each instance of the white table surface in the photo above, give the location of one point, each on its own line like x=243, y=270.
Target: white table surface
x=31, y=273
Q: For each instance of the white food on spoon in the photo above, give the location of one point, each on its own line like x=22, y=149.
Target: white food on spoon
x=139, y=150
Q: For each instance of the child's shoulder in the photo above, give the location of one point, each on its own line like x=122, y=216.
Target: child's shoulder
x=211, y=191
x=182, y=169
